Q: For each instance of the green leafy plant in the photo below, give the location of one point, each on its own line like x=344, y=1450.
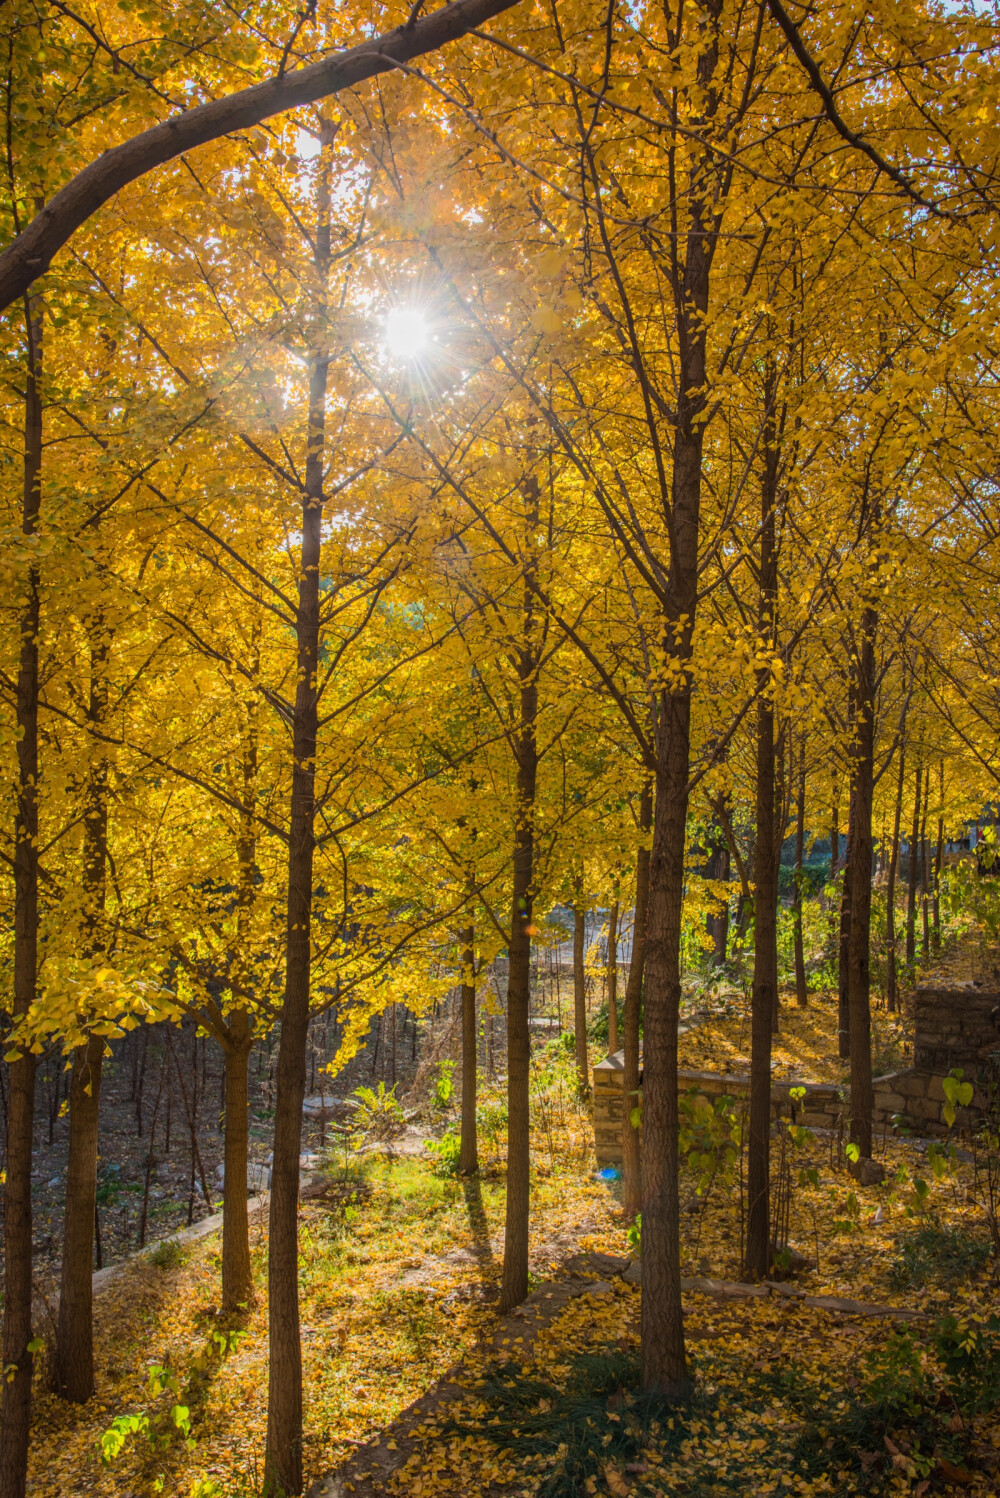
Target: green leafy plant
x=969, y=1351
x=379, y=1114
x=958, y=1094
x=444, y=1085
x=446, y=1153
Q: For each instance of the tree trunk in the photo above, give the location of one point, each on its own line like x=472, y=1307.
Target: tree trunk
x=631, y=1162
x=843, y=949
x=717, y=921
x=580, y=991
x=860, y=872
x=891, y=983
x=801, y=987
x=468, y=1158
x=74, y=1369
x=237, y=1272
x=765, y=962
x=938, y=861
x=283, y=1457
x=613, y=978
x=15, y=1420
x=777, y=839
x=664, y=1363
x=911, y=875
x=74, y=1357
x=924, y=881
x=514, y=1279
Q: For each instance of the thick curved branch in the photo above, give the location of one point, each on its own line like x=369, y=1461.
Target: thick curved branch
x=29, y=255
x=843, y=129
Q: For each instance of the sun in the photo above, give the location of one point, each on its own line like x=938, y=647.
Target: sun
x=407, y=335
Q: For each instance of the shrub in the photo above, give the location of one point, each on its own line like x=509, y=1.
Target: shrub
x=167, y=1255
x=379, y=1114
x=446, y=1152
x=444, y=1086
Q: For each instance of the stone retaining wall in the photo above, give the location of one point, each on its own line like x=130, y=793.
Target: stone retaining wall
x=953, y=1027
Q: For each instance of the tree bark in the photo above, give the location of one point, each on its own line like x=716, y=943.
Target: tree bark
x=74, y=1356
x=631, y=1161
x=613, y=979
x=580, y=991
x=765, y=963
x=843, y=948
x=237, y=1271
x=924, y=880
x=514, y=1278
x=860, y=872
x=15, y=1419
x=801, y=987
x=891, y=983
x=911, y=874
x=283, y=1455
x=468, y=1158
x=717, y=921
x=938, y=861
x=664, y=1362
x=74, y=1365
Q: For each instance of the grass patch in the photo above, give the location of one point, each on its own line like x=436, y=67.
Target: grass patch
x=167, y=1255
x=939, y=1254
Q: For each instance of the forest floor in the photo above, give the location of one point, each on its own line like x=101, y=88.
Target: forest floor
x=399, y=1282
x=399, y=1274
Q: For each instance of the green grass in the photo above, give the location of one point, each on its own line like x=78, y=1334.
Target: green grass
x=938, y=1254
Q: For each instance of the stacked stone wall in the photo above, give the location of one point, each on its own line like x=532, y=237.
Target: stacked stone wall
x=953, y=1027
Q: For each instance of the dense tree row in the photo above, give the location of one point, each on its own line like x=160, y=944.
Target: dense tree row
x=555, y=472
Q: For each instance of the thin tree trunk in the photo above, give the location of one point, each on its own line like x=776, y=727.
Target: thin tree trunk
x=283, y=1459
x=631, y=1162
x=938, y=861
x=765, y=964
x=514, y=1280
x=468, y=1157
x=891, y=981
x=74, y=1360
x=843, y=951
x=74, y=1357
x=580, y=991
x=613, y=978
x=237, y=1271
x=15, y=1419
x=924, y=880
x=859, y=974
x=717, y=921
x=777, y=839
x=911, y=874
x=150, y=1154
x=664, y=1362
x=801, y=987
